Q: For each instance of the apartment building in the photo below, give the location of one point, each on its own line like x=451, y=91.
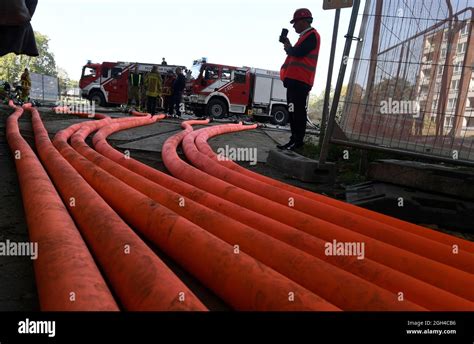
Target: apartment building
x=457, y=115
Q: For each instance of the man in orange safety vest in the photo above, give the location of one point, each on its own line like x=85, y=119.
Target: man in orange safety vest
x=297, y=74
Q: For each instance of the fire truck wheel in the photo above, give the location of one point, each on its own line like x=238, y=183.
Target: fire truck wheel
x=216, y=108
x=98, y=99
x=279, y=115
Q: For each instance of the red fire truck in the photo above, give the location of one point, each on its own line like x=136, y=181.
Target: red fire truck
x=217, y=90
x=107, y=83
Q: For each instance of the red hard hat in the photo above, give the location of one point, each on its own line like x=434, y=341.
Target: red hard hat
x=301, y=13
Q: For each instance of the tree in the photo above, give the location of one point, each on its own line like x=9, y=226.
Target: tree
x=316, y=104
x=12, y=65
x=44, y=63
x=395, y=88
x=65, y=82
x=315, y=107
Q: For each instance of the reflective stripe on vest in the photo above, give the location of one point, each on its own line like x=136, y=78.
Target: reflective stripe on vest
x=132, y=79
x=302, y=68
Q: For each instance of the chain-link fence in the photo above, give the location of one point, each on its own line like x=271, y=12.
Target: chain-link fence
x=411, y=87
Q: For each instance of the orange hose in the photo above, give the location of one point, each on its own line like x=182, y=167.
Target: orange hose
x=420, y=267
x=415, y=290
x=119, y=251
x=237, y=278
x=293, y=263
x=67, y=278
x=201, y=142
x=426, y=247
x=139, y=114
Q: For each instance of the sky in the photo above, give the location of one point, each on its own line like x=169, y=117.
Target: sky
x=232, y=32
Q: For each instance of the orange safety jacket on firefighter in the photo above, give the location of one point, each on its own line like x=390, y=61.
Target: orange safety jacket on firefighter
x=302, y=68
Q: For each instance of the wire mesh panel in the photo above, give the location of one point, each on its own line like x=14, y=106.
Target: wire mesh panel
x=50, y=88
x=411, y=86
x=36, y=91
x=44, y=87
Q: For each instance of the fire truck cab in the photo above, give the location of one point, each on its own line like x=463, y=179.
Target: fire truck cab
x=107, y=83
x=218, y=90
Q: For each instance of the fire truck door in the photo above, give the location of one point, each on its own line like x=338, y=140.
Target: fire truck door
x=238, y=88
x=118, y=86
x=210, y=78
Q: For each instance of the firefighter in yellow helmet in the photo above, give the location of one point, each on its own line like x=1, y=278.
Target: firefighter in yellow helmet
x=153, y=89
x=25, y=85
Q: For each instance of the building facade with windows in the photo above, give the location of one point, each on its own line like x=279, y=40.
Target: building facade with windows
x=446, y=82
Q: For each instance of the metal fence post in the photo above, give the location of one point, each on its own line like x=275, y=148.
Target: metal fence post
x=340, y=79
x=327, y=93
x=42, y=86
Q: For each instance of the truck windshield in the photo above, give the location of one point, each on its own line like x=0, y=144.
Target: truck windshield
x=88, y=71
x=195, y=70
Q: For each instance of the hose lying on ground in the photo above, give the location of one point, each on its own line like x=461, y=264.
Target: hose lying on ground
x=67, y=277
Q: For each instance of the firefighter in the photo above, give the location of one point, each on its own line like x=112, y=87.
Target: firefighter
x=143, y=98
x=134, y=84
x=178, y=87
x=163, y=62
x=25, y=85
x=168, y=92
x=153, y=89
x=297, y=74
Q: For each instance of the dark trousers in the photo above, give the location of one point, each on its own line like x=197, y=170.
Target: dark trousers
x=296, y=98
x=151, y=105
x=177, y=102
x=134, y=95
x=168, y=106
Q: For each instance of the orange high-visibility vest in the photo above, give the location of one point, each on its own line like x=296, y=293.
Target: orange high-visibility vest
x=302, y=68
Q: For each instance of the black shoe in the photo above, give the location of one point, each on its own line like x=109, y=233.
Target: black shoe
x=295, y=146
x=285, y=146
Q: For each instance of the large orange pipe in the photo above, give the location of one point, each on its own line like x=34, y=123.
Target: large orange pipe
x=415, y=290
x=119, y=251
x=289, y=261
x=420, y=267
x=237, y=278
x=139, y=114
x=426, y=247
x=67, y=278
x=230, y=209
x=203, y=146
